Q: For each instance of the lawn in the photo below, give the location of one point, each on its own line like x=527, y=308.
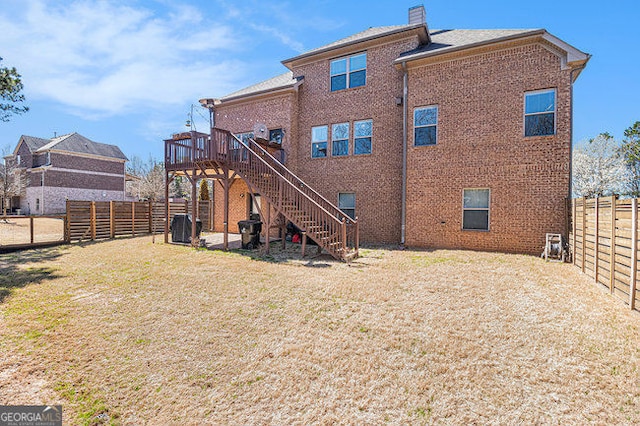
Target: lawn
x=16, y=231
x=130, y=332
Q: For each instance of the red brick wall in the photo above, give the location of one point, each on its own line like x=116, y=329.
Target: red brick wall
x=88, y=164
x=237, y=205
x=374, y=178
x=481, y=145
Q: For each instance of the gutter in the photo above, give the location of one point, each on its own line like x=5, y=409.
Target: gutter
x=405, y=109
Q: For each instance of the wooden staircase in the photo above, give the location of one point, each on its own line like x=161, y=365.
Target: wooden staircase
x=323, y=222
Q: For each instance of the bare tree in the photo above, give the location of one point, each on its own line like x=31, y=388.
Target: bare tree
x=599, y=168
x=150, y=178
x=12, y=179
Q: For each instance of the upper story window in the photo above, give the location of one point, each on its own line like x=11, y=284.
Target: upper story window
x=362, y=136
x=540, y=113
x=18, y=160
x=319, y=141
x=340, y=139
x=349, y=72
x=425, y=123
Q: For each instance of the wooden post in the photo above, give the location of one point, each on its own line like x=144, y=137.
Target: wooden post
x=67, y=232
x=597, y=239
x=612, y=254
x=574, y=204
x=150, y=210
x=225, y=240
x=195, y=242
x=112, y=219
x=634, y=253
x=92, y=220
x=344, y=237
x=357, y=231
x=166, y=207
x=584, y=231
x=304, y=242
x=268, y=228
x=133, y=218
x=31, y=228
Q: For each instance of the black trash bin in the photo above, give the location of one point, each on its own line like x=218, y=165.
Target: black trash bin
x=181, y=228
x=250, y=233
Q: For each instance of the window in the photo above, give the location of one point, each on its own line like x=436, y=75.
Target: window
x=340, y=139
x=37, y=204
x=347, y=203
x=18, y=160
x=275, y=136
x=425, y=123
x=244, y=137
x=349, y=72
x=319, y=141
x=540, y=113
x=475, y=209
x=362, y=137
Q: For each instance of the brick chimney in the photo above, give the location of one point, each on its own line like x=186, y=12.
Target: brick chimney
x=417, y=15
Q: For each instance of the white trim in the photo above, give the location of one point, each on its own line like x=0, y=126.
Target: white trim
x=325, y=141
x=348, y=72
x=84, y=155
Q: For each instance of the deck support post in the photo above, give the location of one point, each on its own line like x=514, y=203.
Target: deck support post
x=225, y=241
x=267, y=216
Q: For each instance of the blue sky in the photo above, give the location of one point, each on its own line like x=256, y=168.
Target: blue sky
x=127, y=72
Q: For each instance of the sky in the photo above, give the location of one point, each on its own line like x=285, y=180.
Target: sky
x=130, y=72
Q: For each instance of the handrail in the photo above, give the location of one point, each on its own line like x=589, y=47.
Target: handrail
x=236, y=139
x=301, y=183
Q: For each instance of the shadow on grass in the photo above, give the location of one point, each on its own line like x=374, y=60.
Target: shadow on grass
x=12, y=276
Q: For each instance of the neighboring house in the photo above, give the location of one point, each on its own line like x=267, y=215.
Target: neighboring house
x=67, y=167
x=432, y=138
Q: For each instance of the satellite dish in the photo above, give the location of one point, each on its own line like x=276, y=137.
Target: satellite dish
x=260, y=131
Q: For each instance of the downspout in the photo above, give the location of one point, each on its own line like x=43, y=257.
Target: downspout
x=405, y=91
x=571, y=80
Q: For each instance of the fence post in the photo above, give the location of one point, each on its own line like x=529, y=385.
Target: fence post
x=133, y=218
x=112, y=219
x=92, y=222
x=31, y=228
x=612, y=254
x=584, y=230
x=574, y=206
x=150, y=209
x=634, y=253
x=597, y=240
x=67, y=231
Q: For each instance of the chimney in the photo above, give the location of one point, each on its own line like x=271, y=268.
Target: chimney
x=417, y=15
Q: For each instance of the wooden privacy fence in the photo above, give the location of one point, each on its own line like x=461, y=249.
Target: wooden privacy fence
x=604, y=243
x=95, y=220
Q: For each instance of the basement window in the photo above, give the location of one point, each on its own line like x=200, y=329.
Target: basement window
x=347, y=203
x=540, y=113
x=475, y=209
x=319, y=141
x=349, y=72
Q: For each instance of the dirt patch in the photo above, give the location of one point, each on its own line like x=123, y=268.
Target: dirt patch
x=131, y=332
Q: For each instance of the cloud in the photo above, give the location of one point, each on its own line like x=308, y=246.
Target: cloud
x=102, y=58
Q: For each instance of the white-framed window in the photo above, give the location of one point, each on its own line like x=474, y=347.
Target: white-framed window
x=475, y=209
x=362, y=137
x=319, y=136
x=425, y=125
x=340, y=139
x=540, y=113
x=244, y=137
x=347, y=203
x=348, y=72
x=18, y=160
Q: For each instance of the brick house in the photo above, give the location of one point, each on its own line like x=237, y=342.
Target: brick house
x=67, y=167
x=432, y=138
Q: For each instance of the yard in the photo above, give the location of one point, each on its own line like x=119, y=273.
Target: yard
x=130, y=332
x=16, y=230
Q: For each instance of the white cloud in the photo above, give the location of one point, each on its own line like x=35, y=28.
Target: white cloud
x=102, y=58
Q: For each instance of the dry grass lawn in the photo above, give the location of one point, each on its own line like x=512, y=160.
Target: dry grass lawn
x=130, y=332
x=15, y=231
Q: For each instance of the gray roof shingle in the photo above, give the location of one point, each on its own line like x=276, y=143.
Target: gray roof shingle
x=74, y=142
x=34, y=143
x=282, y=81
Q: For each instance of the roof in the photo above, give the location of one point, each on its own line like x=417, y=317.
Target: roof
x=76, y=143
x=369, y=34
x=443, y=41
x=34, y=143
x=282, y=81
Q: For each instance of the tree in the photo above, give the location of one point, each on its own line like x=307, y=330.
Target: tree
x=12, y=180
x=204, y=190
x=599, y=168
x=150, y=178
x=10, y=88
x=177, y=188
x=631, y=154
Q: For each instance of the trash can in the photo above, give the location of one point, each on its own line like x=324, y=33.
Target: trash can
x=181, y=228
x=250, y=233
